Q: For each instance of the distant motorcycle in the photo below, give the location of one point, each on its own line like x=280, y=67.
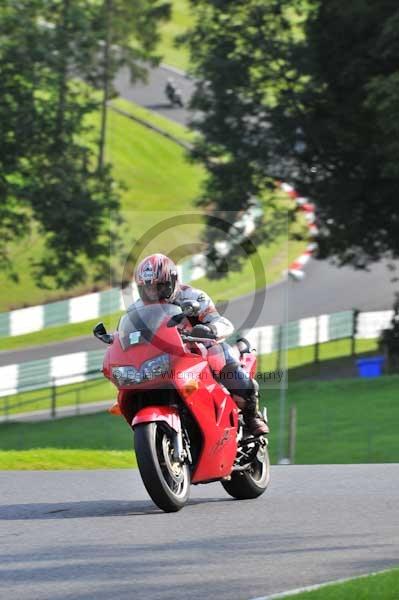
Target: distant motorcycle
x=187, y=427
x=174, y=95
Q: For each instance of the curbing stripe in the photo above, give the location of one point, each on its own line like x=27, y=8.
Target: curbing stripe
x=84, y=308
x=370, y=324
x=340, y=325
x=26, y=320
x=68, y=368
x=324, y=328
x=5, y=324
x=9, y=379
x=295, y=270
x=307, y=331
x=33, y=375
x=109, y=302
x=56, y=313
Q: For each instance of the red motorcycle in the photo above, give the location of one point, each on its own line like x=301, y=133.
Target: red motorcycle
x=187, y=426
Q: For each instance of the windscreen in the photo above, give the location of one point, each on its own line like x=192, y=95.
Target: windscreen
x=140, y=323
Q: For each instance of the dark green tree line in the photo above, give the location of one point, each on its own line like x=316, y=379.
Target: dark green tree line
x=306, y=92
x=52, y=176
x=347, y=115
x=239, y=56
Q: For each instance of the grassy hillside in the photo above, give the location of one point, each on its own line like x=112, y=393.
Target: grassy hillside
x=156, y=176
x=179, y=22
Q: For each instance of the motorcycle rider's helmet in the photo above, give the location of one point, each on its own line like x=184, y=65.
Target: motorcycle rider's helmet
x=156, y=278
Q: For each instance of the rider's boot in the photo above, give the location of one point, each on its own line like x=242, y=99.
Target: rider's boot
x=254, y=422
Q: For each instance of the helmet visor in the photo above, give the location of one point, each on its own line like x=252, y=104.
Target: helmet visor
x=156, y=291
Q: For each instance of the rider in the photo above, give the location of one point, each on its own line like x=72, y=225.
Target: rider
x=170, y=88
x=156, y=278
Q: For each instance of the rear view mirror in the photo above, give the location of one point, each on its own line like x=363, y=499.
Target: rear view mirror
x=100, y=333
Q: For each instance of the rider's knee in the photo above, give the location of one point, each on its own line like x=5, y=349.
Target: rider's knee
x=237, y=381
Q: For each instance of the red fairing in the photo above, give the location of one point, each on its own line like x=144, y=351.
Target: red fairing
x=149, y=414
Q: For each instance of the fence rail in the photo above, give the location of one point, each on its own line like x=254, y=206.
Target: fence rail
x=313, y=331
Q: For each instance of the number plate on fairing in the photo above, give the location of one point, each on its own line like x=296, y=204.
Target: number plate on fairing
x=134, y=337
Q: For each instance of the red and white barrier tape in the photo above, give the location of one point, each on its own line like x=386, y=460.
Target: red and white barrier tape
x=296, y=267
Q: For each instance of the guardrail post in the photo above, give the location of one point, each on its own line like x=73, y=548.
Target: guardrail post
x=78, y=401
x=292, y=435
x=316, y=347
x=53, y=399
x=355, y=316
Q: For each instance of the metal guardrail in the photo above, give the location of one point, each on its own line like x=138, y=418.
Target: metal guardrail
x=49, y=398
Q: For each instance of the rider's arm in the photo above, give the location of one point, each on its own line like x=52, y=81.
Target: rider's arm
x=208, y=315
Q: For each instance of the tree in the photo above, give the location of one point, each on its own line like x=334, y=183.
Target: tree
x=239, y=56
x=129, y=38
x=344, y=113
x=47, y=166
x=306, y=92
x=52, y=173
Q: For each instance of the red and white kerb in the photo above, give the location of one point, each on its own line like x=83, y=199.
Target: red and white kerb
x=308, y=208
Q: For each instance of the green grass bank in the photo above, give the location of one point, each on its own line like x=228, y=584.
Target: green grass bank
x=343, y=421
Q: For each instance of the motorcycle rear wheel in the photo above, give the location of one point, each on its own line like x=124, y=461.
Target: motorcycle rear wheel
x=166, y=481
x=246, y=485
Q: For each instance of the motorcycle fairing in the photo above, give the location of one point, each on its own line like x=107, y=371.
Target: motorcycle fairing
x=149, y=414
x=216, y=415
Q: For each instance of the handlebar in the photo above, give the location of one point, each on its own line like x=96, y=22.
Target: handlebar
x=189, y=338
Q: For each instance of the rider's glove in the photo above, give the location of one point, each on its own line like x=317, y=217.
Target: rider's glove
x=202, y=331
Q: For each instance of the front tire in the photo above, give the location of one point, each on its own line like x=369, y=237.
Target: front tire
x=166, y=481
x=246, y=485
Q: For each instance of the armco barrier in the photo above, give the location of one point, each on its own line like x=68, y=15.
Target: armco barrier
x=80, y=366
x=81, y=308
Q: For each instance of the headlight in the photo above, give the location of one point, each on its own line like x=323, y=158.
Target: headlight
x=154, y=367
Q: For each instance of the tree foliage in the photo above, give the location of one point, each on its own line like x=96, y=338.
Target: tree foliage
x=306, y=92
x=238, y=51
x=347, y=114
x=50, y=51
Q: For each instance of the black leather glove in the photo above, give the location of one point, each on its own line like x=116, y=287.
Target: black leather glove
x=202, y=331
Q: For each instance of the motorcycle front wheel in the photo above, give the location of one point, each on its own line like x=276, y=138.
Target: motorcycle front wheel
x=166, y=480
x=245, y=485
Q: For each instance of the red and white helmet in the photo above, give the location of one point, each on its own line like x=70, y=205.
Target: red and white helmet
x=156, y=278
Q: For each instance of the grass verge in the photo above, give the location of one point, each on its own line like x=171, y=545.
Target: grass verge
x=67, y=395
x=344, y=421
x=180, y=21
x=378, y=586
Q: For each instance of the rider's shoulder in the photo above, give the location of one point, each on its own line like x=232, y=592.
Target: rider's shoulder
x=188, y=292
x=136, y=304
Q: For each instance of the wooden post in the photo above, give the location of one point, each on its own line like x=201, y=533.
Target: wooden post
x=355, y=315
x=316, y=347
x=292, y=434
x=53, y=399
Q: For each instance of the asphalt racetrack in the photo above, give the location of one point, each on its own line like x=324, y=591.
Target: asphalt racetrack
x=96, y=535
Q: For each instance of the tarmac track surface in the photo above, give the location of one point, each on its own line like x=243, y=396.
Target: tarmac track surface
x=95, y=535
